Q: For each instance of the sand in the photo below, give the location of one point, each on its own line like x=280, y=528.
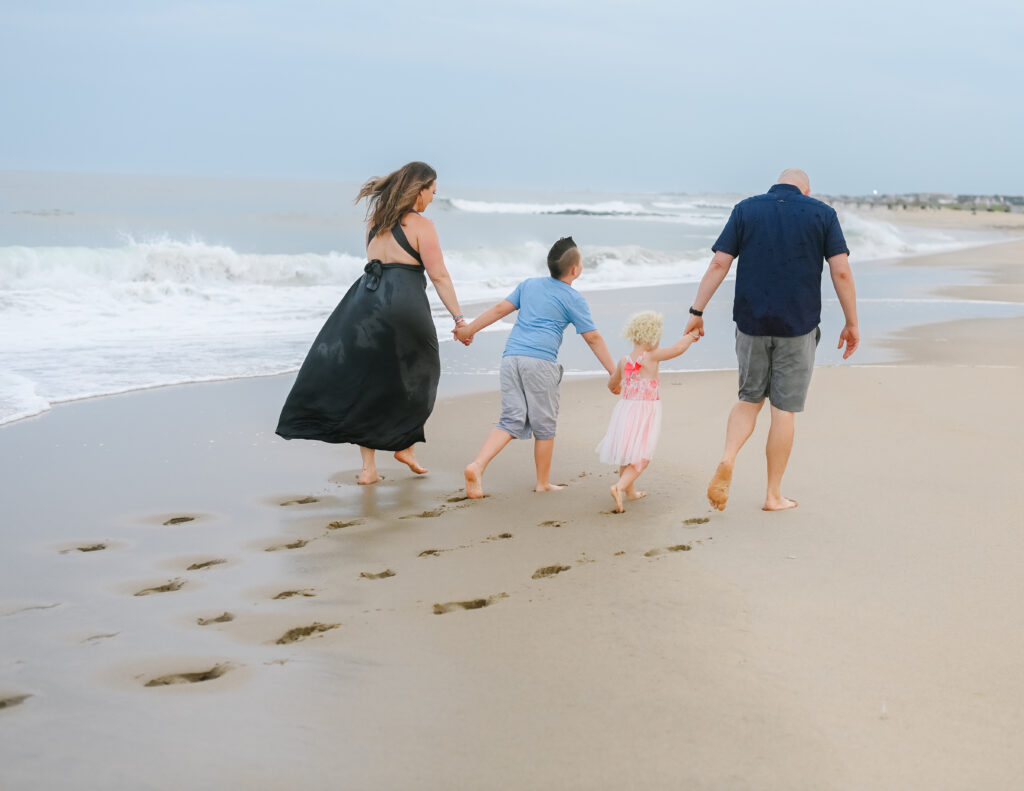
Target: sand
x=298, y=631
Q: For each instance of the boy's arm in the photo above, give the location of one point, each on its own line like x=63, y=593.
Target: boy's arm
x=677, y=348
x=615, y=381
x=485, y=319
x=600, y=350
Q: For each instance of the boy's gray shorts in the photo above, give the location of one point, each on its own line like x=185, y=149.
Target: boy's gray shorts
x=777, y=368
x=529, y=397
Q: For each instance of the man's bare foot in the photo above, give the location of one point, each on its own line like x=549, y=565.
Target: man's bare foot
x=633, y=494
x=474, y=485
x=718, y=489
x=407, y=457
x=366, y=477
x=781, y=504
x=616, y=494
x=548, y=487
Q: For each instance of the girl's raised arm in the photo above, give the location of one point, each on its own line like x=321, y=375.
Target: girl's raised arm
x=668, y=352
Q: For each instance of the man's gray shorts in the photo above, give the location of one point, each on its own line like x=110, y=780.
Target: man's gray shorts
x=529, y=397
x=777, y=368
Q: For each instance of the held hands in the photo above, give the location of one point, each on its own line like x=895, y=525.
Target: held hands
x=695, y=324
x=614, y=386
x=462, y=333
x=851, y=337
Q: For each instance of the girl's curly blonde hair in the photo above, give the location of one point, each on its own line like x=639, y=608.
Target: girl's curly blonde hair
x=644, y=328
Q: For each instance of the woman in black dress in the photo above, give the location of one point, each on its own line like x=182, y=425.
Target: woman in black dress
x=370, y=378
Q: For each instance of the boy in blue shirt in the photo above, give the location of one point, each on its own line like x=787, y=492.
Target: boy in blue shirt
x=530, y=373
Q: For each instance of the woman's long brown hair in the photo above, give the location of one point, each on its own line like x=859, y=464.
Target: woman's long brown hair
x=392, y=197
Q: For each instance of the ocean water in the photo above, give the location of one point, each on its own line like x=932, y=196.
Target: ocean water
x=116, y=283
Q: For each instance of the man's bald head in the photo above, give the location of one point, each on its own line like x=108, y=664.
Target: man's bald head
x=797, y=178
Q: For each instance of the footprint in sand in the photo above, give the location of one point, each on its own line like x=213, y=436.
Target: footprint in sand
x=179, y=520
x=472, y=604
x=696, y=520
x=380, y=575
x=339, y=525
x=206, y=564
x=97, y=637
x=549, y=571
x=302, y=632
x=189, y=678
x=551, y=523
x=298, y=544
x=167, y=587
x=308, y=592
x=499, y=537
x=302, y=501
x=426, y=514
x=677, y=548
x=224, y=617
x=432, y=553
x=85, y=548
x=13, y=700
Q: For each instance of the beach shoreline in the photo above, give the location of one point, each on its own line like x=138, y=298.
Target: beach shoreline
x=861, y=641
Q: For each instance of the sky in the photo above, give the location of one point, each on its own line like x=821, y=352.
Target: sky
x=625, y=95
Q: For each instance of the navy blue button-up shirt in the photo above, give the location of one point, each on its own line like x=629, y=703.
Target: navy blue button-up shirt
x=781, y=239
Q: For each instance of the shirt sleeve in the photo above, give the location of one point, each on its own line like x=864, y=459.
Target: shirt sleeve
x=728, y=241
x=516, y=295
x=835, y=242
x=579, y=314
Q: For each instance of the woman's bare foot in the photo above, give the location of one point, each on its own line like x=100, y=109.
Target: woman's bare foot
x=779, y=504
x=368, y=476
x=718, y=489
x=474, y=484
x=407, y=457
x=616, y=494
x=548, y=487
x=633, y=494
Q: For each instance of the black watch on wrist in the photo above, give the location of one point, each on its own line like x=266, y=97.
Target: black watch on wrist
x=695, y=312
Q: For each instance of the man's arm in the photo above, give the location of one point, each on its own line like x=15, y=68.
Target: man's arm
x=719, y=267
x=600, y=350
x=842, y=281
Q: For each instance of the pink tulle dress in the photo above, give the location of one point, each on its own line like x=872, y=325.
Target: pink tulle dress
x=636, y=421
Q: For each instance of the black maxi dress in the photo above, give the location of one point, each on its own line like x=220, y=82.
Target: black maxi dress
x=371, y=375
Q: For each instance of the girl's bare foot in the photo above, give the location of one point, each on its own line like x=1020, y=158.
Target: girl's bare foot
x=548, y=487
x=780, y=504
x=718, y=489
x=633, y=494
x=616, y=494
x=474, y=485
x=368, y=476
x=407, y=457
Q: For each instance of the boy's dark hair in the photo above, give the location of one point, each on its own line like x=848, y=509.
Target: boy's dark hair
x=562, y=257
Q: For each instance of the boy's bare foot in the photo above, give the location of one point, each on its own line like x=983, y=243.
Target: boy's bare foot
x=718, y=489
x=474, y=486
x=782, y=504
x=407, y=457
x=616, y=494
x=366, y=477
x=548, y=487
x=633, y=494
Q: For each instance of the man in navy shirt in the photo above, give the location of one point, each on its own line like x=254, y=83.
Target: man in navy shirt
x=781, y=239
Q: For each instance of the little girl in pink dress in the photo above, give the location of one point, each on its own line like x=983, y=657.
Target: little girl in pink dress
x=636, y=421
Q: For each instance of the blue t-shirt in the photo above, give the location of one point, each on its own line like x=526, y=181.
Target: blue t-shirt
x=781, y=238
x=546, y=307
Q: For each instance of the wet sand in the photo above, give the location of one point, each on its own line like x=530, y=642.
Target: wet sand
x=189, y=601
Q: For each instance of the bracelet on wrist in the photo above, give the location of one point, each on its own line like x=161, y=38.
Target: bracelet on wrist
x=695, y=312
x=459, y=318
